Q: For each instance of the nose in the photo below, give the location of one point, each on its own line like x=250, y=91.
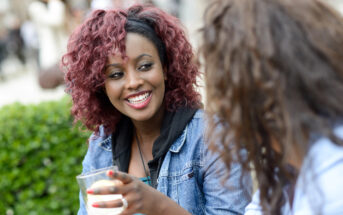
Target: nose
x=133, y=80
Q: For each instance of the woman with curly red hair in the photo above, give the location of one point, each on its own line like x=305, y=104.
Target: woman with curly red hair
x=133, y=82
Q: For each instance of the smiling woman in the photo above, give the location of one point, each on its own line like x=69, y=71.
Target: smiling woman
x=132, y=80
x=136, y=86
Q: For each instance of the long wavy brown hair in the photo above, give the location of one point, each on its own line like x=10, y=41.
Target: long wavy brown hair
x=274, y=77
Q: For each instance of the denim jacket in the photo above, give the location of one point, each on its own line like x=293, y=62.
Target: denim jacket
x=191, y=175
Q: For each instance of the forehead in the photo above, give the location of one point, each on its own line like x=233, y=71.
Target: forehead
x=136, y=45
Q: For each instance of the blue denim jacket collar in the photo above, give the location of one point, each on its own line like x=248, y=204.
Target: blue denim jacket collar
x=106, y=144
x=177, y=145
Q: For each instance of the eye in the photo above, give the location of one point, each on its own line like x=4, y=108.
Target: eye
x=145, y=67
x=116, y=75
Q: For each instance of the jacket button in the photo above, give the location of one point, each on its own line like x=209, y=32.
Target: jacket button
x=190, y=175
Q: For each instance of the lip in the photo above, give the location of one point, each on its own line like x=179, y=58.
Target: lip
x=140, y=105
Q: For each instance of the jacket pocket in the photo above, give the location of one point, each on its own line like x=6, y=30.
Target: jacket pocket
x=189, y=192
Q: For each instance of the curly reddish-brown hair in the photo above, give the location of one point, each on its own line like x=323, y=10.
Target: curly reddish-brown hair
x=103, y=34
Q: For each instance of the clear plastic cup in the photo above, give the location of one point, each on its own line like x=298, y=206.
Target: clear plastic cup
x=98, y=178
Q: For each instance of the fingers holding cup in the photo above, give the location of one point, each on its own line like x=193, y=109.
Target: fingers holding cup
x=123, y=177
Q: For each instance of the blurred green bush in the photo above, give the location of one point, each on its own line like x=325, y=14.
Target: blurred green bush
x=40, y=154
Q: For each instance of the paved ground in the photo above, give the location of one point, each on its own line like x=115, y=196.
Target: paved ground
x=21, y=85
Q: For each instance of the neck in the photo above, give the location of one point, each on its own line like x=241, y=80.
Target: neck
x=148, y=131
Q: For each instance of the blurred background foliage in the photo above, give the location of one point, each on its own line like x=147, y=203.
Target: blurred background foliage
x=40, y=154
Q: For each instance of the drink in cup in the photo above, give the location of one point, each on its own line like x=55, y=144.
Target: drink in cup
x=97, y=179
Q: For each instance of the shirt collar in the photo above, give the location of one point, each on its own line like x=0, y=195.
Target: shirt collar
x=177, y=146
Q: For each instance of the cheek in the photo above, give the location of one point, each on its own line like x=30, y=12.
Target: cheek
x=162, y=91
x=112, y=91
x=158, y=78
x=160, y=84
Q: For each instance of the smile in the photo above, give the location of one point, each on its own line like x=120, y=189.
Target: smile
x=139, y=101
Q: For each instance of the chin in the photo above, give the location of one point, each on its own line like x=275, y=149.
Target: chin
x=141, y=117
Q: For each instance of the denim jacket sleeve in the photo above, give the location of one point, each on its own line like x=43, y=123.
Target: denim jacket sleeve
x=98, y=156
x=85, y=168
x=224, y=193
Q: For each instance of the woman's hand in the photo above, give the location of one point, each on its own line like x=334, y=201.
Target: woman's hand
x=140, y=197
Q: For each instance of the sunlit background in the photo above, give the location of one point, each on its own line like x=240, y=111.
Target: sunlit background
x=40, y=149
x=19, y=42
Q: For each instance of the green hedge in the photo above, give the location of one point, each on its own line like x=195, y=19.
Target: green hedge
x=40, y=155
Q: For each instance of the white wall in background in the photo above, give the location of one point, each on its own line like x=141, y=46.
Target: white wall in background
x=337, y=4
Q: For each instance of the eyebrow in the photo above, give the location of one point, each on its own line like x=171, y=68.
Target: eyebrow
x=142, y=55
x=113, y=64
x=119, y=65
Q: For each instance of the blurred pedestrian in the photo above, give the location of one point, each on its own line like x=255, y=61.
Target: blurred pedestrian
x=49, y=17
x=14, y=41
x=3, y=50
x=29, y=34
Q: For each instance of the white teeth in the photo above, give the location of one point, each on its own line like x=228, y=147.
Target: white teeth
x=138, y=99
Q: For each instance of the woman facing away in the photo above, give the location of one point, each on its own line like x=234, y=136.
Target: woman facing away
x=274, y=77
x=132, y=80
